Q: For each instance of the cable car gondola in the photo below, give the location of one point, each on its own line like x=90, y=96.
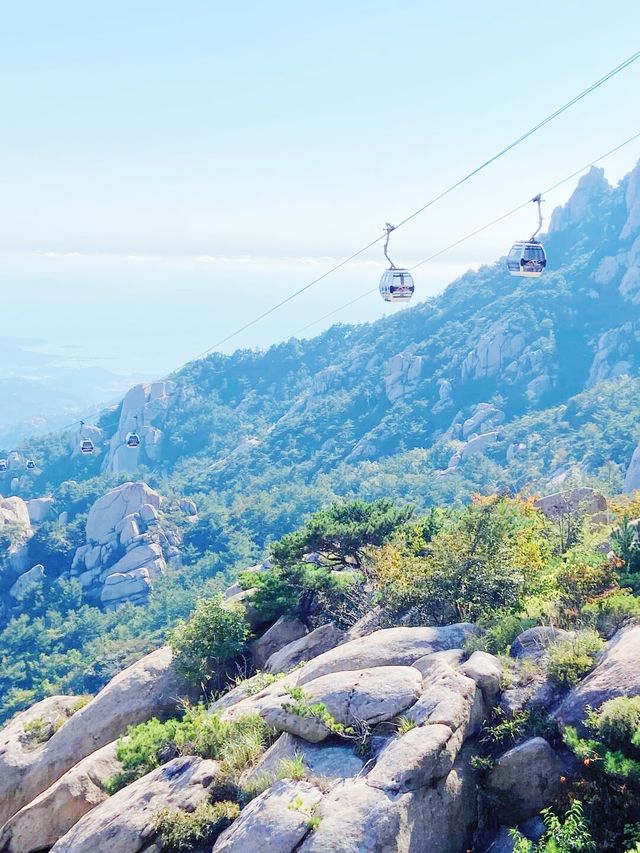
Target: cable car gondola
x=133, y=439
x=527, y=258
x=396, y=284
x=4, y=465
x=86, y=445
x=30, y=465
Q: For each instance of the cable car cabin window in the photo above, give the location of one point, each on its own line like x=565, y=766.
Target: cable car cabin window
x=534, y=253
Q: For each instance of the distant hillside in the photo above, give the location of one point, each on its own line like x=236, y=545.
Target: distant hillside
x=498, y=383
x=41, y=392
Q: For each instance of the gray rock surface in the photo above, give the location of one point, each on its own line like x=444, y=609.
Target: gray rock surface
x=123, y=823
x=39, y=824
x=418, y=758
x=19, y=751
x=14, y=511
x=534, y=642
x=144, y=410
x=148, y=688
x=126, y=549
x=358, y=818
x=305, y=648
x=280, y=634
x=486, y=671
x=277, y=820
x=368, y=695
x=39, y=509
x=332, y=759
x=617, y=674
x=389, y=646
x=402, y=374
x=583, y=501
x=525, y=780
x=27, y=581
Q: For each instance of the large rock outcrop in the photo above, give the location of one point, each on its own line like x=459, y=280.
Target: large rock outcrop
x=311, y=645
x=124, y=822
x=144, y=409
x=525, y=780
x=126, y=548
x=438, y=817
x=584, y=201
x=386, y=647
x=40, y=509
x=39, y=824
x=14, y=511
x=617, y=674
x=149, y=688
x=402, y=374
x=277, y=820
x=632, y=476
x=416, y=793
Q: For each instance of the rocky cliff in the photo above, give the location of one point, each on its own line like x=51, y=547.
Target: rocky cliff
x=422, y=701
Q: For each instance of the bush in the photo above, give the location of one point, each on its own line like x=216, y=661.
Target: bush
x=213, y=637
x=141, y=751
x=571, y=659
x=148, y=745
x=610, y=759
x=498, y=634
x=626, y=545
x=607, y=615
x=567, y=835
x=618, y=722
x=582, y=579
x=191, y=830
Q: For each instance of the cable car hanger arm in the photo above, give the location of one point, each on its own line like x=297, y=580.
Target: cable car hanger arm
x=389, y=228
x=537, y=199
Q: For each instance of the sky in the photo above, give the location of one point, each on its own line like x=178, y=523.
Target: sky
x=170, y=170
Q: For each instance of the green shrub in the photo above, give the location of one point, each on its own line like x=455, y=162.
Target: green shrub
x=289, y=768
x=497, y=634
x=625, y=544
x=505, y=728
x=564, y=835
x=583, y=578
x=191, y=830
x=301, y=706
x=607, y=615
x=235, y=744
x=213, y=637
x=615, y=746
x=259, y=682
x=404, y=725
x=140, y=752
x=480, y=565
x=36, y=731
x=618, y=722
x=572, y=658
x=343, y=531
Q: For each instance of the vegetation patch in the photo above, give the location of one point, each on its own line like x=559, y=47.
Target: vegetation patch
x=148, y=745
x=182, y=831
x=572, y=658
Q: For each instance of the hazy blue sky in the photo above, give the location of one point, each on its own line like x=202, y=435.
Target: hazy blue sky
x=169, y=169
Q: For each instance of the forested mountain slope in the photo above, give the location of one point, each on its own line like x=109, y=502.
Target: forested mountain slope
x=498, y=384
x=545, y=370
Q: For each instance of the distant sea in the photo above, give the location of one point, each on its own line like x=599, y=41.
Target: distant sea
x=149, y=315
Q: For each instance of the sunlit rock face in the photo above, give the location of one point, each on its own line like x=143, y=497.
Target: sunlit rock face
x=143, y=408
x=126, y=547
